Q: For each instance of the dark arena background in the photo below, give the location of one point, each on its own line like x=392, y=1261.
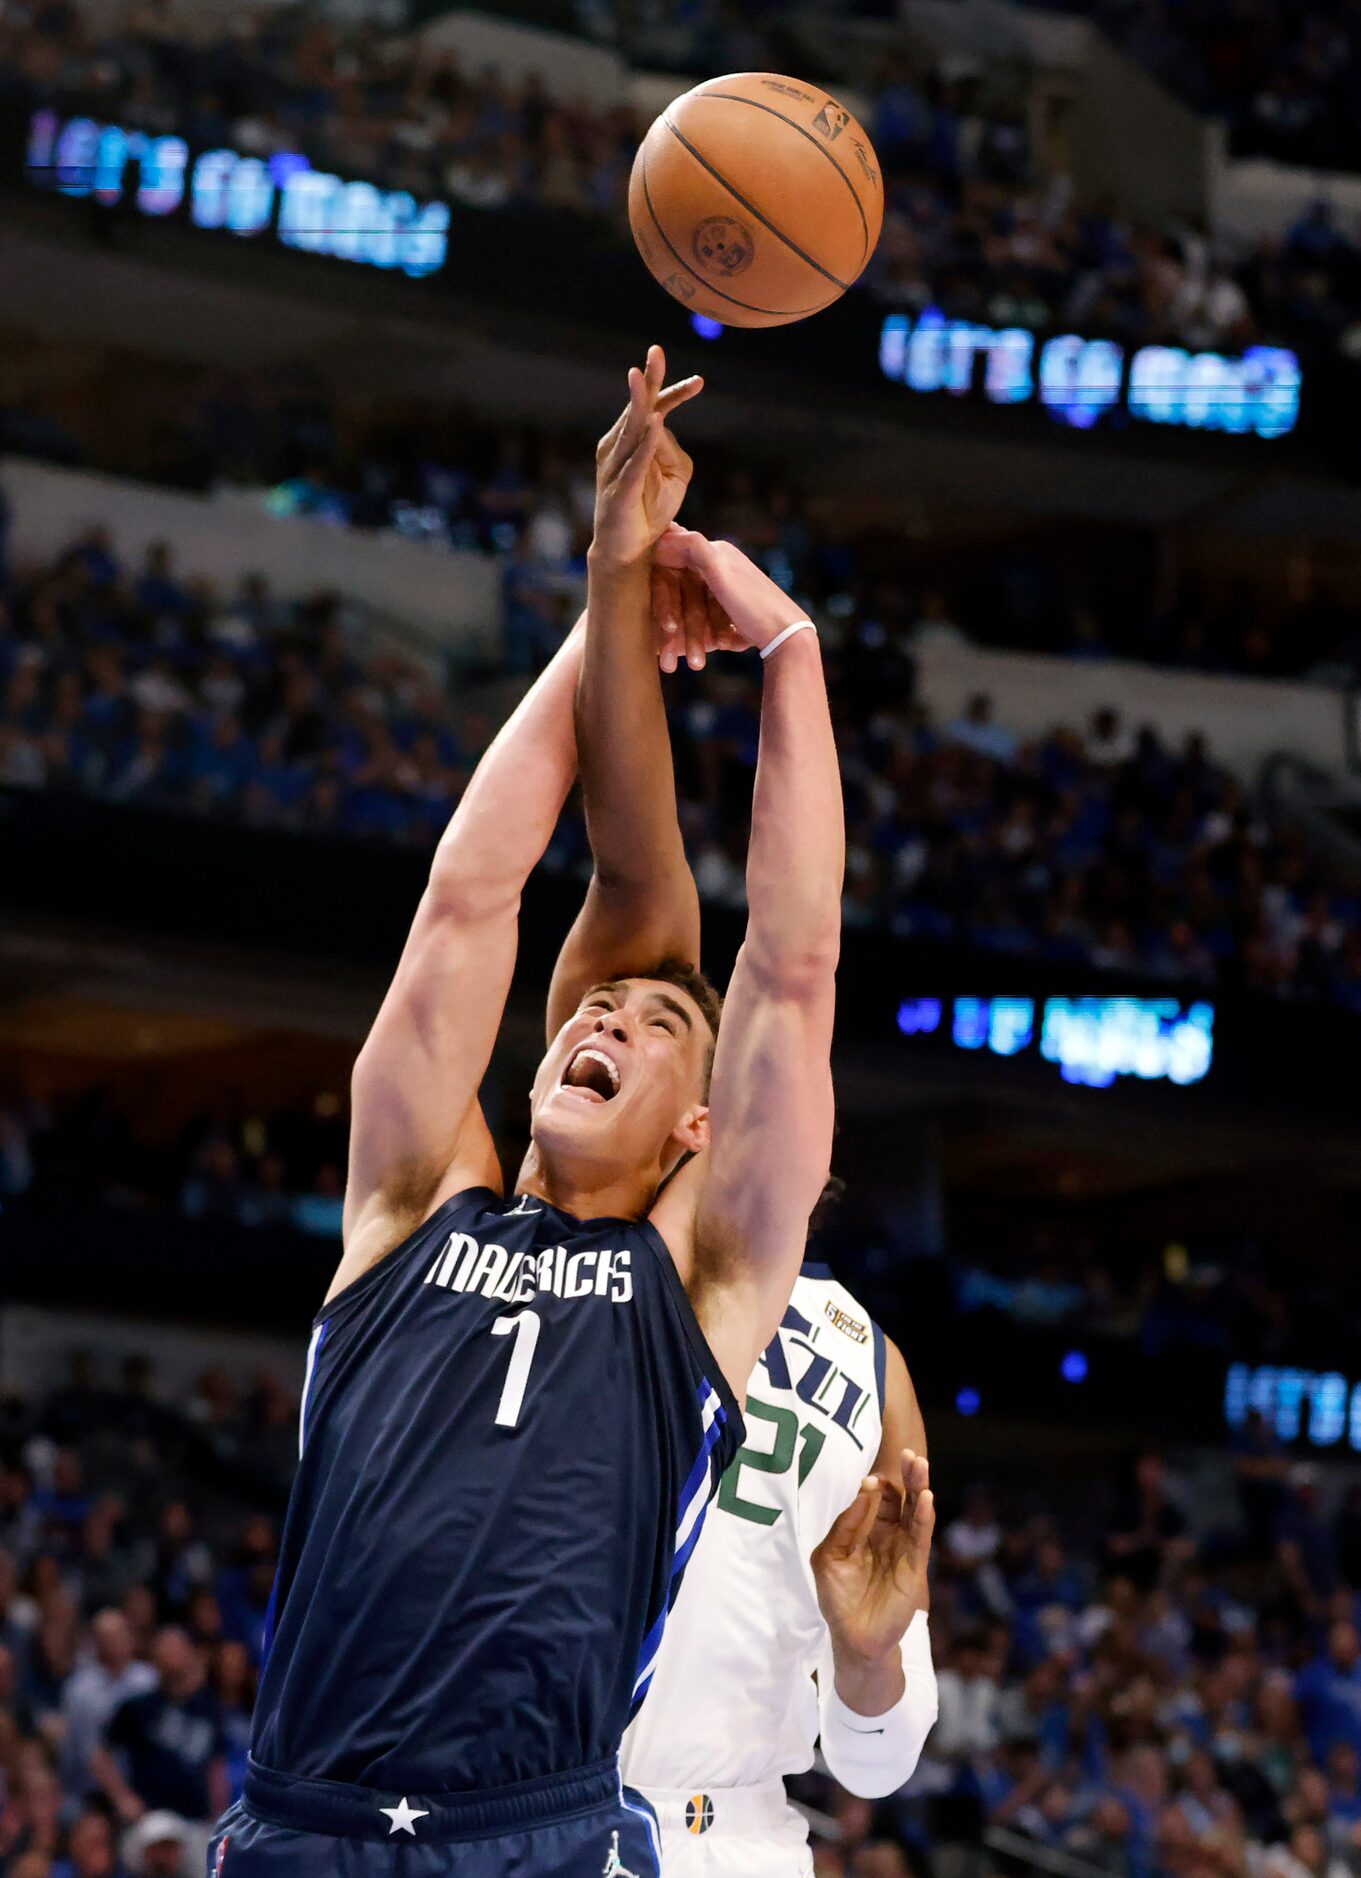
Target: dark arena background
x=310, y=315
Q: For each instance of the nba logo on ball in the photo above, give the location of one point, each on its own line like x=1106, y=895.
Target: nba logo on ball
x=831, y=120
x=699, y=1813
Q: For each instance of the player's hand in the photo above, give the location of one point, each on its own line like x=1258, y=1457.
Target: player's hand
x=748, y=598
x=641, y=472
x=689, y=622
x=870, y=1570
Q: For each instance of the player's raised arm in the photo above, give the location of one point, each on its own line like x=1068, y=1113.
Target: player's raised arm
x=417, y=1134
x=641, y=905
x=771, y=1109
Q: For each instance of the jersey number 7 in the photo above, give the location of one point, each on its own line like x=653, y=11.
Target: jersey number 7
x=524, y=1327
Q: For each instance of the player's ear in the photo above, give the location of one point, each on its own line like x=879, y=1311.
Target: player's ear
x=691, y=1133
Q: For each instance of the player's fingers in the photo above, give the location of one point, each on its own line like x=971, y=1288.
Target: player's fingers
x=618, y=442
x=922, y=1527
x=851, y=1531
x=675, y=547
x=693, y=594
x=666, y=599
x=655, y=375
x=873, y=1491
x=723, y=635
x=667, y=607
x=916, y=1474
x=674, y=461
x=639, y=412
x=630, y=476
x=680, y=393
x=687, y=547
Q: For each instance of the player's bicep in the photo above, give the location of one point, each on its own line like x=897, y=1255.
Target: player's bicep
x=415, y=1081
x=771, y=1119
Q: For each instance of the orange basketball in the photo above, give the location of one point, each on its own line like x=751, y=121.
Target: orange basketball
x=756, y=199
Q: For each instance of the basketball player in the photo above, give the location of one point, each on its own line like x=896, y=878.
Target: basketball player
x=798, y=1619
x=516, y=1408
x=813, y=1563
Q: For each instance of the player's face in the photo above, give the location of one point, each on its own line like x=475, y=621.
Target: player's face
x=623, y=1080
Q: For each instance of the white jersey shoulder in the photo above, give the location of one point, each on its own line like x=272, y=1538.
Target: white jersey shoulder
x=733, y=1701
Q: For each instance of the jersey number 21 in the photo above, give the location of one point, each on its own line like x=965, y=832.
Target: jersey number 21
x=789, y=1439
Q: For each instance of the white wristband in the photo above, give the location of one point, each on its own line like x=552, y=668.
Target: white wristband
x=874, y=1755
x=800, y=625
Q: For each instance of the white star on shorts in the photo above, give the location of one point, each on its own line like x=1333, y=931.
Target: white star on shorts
x=403, y=1817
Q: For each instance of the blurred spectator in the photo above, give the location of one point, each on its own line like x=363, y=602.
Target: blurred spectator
x=91, y=1849
x=159, y=1846
x=96, y=1691
x=1328, y=1690
x=165, y=1749
x=1149, y=1528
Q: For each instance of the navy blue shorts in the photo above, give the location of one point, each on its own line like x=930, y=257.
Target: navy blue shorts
x=580, y=1825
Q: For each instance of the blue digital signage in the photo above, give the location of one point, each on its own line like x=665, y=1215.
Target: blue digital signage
x=280, y=197
x=1321, y=1408
x=1078, y=381
x=1091, y=1041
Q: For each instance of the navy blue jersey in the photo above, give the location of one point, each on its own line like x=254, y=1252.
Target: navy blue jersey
x=511, y=1430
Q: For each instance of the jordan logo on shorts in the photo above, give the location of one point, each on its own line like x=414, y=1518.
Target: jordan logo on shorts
x=614, y=1866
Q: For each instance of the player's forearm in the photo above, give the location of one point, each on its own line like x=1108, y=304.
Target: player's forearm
x=510, y=808
x=797, y=857
x=641, y=904
x=875, y=1719
x=624, y=750
x=868, y=1684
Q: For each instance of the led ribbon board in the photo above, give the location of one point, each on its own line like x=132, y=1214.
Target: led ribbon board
x=1323, y=1407
x=281, y=197
x=1093, y=1041
x=1079, y=380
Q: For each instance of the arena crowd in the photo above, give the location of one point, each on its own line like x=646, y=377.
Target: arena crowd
x=1286, y=78
x=1094, y=843
x=1154, y=1693
x=973, y=223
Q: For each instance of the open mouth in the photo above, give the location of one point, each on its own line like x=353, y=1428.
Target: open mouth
x=592, y=1074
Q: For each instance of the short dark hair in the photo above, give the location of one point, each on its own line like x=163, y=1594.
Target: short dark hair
x=689, y=979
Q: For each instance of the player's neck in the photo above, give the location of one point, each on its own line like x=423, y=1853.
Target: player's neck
x=584, y=1191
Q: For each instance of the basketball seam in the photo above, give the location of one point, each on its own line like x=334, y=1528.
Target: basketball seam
x=733, y=97
x=746, y=305
x=751, y=207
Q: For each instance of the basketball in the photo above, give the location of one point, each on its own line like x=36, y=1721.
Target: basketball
x=755, y=199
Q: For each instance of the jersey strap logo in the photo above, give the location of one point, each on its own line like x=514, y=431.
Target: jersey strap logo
x=842, y=1320
x=614, y=1865
x=699, y=1813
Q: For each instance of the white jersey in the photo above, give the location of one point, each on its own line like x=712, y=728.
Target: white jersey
x=732, y=1702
